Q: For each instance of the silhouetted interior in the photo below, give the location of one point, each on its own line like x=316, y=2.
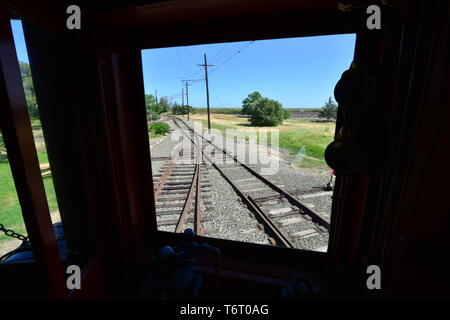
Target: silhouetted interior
x=392, y=212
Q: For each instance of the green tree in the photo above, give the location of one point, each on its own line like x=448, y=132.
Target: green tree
x=329, y=110
x=249, y=103
x=286, y=114
x=267, y=112
x=177, y=109
x=28, y=88
x=164, y=104
x=156, y=107
x=150, y=102
x=187, y=109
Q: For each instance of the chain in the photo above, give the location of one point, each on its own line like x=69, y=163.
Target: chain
x=13, y=234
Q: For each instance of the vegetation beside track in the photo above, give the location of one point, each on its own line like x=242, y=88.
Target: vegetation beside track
x=10, y=210
x=295, y=135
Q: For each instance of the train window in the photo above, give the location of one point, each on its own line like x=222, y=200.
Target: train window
x=237, y=136
x=10, y=211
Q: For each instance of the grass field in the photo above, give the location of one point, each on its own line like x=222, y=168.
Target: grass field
x=10, y=211
x=294, y=134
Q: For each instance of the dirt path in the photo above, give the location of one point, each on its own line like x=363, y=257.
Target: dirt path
x=9, y=245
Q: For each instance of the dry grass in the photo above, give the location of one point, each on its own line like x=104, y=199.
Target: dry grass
x=294, y=134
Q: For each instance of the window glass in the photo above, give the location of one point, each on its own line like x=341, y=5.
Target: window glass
x=10, y=210
x=256, y=160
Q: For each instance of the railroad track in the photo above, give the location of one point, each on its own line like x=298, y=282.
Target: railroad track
x=286, y=220
x=179, y=191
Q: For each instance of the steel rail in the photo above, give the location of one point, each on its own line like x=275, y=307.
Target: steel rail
x=258, y=211
x=273, y=230
x=198, y=208
x=164, y=176
x=194, y=186
x=315, y=216
x=187, y=204
x=161, y=181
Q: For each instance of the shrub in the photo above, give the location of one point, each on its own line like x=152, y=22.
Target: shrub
x=187, y=109
x=180, y=109
x=267, y=112
x=159, y=127
x=154, y=116
x=286, y=114
x=177, y=109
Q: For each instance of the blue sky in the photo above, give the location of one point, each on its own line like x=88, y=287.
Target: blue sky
x=19, y=40
x=298, y=72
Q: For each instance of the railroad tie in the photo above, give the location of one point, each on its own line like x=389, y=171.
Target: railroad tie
x=250, y=230
x=183, y=187
x=276, y=212
x=290, y=221
x=314, y=195
x=171, y=204
x=183, y=182
x=247, y=179
x=172, y=199
x=304, y=234
x=180, y=191
x=175, y=221
x=256, y=190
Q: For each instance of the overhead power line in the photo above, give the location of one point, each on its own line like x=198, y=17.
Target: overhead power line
x=232, y=56
x=182, y=64
x=220, y=51
x=189, y=54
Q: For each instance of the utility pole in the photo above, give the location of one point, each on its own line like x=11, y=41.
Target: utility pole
x=187, y=94
x=187, y=97
x=186, y=83
x=206, y=65
x=182, y=96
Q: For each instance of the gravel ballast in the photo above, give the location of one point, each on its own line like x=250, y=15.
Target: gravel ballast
x=231, y=220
